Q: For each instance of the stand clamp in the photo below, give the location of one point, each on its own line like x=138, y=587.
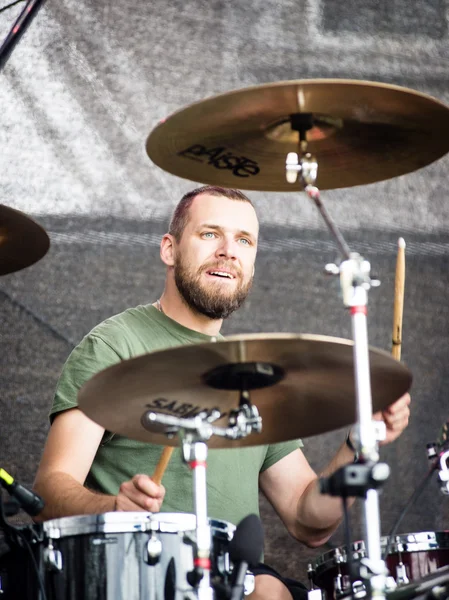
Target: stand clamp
x=305, y=164
x=355, y=279
x=242, y=422
x=355, y=479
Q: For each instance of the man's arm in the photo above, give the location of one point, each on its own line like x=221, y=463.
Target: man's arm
x=292, y=487
x=71, y=446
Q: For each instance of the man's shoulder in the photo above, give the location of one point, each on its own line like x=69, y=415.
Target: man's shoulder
x=128, y=332
x=113, y=340
x=140, y=330
x=129, y=318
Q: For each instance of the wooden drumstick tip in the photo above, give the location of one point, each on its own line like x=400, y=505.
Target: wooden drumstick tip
x=398, y=300
x=162, y=464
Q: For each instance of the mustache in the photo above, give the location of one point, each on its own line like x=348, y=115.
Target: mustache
x=222, y=266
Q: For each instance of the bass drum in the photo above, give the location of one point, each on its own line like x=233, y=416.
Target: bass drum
x=127, y=556
x=411, y=556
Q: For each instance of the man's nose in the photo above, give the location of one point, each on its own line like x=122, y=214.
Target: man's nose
x=227, y=248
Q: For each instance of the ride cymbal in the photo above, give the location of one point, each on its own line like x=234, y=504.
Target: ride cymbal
x=312, y=388
x=22, y=241
x=361, y=132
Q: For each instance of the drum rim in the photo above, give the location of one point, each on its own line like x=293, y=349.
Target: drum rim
x=417, y=541
x=131, y=522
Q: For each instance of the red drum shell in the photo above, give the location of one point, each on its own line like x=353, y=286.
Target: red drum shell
x=420, y=554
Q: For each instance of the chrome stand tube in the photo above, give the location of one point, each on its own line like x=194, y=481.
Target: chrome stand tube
x=195, y=454
x=355, y=281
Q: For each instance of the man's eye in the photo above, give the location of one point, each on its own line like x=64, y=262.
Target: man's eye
x=209, y=234
x=245, y=241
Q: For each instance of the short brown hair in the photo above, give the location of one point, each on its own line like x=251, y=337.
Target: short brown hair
x=180, y=216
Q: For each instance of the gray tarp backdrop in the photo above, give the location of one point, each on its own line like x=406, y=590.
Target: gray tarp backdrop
x=79, y=96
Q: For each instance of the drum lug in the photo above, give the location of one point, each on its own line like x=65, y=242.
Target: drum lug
x=53, y=558
x=315, y=594
x=339, y=557
x=249, y=583
x=391, y=584
x=342, y=586
x=154, y=550
x=311, y=575
x=358, y=589
x=401, y=574
x=338, y=586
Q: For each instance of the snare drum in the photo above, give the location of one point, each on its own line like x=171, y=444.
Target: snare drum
x=411, y=556
x=127, y=556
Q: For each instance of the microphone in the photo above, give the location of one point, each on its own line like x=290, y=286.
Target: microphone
x=245, y=550
x=31, y=502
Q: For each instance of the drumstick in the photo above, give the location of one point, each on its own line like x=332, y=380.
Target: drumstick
x=162, y=464
x=399, y=284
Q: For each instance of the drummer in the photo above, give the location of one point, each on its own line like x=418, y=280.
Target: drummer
x=209, y=254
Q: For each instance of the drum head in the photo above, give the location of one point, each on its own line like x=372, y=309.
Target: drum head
x=122, y=522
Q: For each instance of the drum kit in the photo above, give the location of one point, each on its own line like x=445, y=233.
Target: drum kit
x=257, y=389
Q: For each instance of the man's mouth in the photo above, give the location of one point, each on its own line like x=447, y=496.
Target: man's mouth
x=221, y=274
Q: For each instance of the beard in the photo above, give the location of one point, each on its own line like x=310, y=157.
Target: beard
x=215, y=302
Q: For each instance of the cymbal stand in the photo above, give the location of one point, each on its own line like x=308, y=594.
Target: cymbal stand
x=195, y=455
x=355, y=282
x=18, y=29
x=194, y=432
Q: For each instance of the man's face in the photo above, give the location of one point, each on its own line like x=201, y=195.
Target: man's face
x=214, y=260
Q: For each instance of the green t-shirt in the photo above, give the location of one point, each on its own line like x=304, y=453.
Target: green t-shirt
x=232, y=474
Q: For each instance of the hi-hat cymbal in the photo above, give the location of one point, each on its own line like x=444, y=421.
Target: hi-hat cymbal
x=362, y=132
x=22, y=241
x=315, y=393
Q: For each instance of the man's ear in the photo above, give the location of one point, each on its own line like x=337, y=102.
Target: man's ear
x=168, y=250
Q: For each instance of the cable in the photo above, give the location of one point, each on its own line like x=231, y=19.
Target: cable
x=347, y=536
x=413, y=498
x=15, y=537
x=35, y=565
x=3, y=8
x=347, y=528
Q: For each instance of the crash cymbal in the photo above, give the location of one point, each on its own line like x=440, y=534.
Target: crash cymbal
x=22, y=241
x=362, y=132
x=314, y=392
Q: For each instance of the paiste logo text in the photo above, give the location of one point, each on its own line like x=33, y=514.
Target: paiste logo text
x=222, y=158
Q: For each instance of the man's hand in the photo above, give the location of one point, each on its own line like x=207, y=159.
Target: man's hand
x=140, y=493
x=395, y=417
